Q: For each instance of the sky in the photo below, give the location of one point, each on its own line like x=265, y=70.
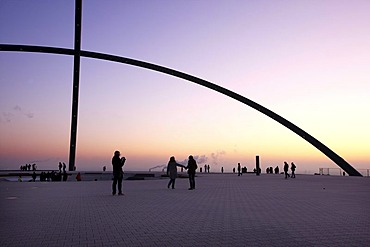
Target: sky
x=308, y=61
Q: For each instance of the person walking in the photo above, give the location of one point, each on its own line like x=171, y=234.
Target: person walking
x=117, y=163
x=192, y=166
x=239, y=170
x=172, y=171
x=292, y=168
x=286, y=168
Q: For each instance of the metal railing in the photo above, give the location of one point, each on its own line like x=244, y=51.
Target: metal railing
x=341, y=172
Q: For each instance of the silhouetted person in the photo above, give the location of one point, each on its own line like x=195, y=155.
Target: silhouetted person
x=271, y=170
x=222, y=169
x=58, y=176
x=239, y=170
x=234, y=170
x=172, y=171
x=244, y=170
x=60, y=166
x=208, y=168
x=104, y=168
x=34, y=176
x=286, y=168
x=192, y=166
x=64, y=167
x=117, y=164
x=276, y=170
x=205, y=168
x=292, y=168
x=78, y=177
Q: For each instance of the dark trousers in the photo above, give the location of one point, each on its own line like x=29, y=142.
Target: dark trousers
x=192, y=180
x=286, y=174
x=172, y=181
x=117, y=178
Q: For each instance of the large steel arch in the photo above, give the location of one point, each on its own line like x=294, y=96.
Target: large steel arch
x=313, y=141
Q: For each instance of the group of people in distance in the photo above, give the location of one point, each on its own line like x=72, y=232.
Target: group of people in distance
x=286, y=169
x=27, y=167
x=51, y=176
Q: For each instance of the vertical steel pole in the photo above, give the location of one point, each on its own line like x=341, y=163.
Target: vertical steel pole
x=76, y=84
x=258, y=168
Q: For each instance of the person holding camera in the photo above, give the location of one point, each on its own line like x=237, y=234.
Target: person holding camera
x=117, y=163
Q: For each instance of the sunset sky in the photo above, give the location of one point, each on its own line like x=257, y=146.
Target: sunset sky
x=308, y=61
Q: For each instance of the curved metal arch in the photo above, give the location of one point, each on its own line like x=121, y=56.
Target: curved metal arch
x=313, y=141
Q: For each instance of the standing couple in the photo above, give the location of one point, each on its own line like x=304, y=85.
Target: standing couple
x=172, y=171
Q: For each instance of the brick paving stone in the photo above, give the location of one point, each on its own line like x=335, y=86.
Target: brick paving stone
x=223, y=210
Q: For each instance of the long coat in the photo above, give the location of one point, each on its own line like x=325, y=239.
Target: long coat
x=192, y=166
x=117, y=164
x=172, y=169
x=286, y=167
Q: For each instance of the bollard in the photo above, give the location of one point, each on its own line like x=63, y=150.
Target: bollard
x=258, y=169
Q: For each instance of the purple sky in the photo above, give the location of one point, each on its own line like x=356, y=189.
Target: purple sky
x=308, y=61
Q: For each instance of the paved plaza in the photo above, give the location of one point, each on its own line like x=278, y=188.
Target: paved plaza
x=223, y=210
